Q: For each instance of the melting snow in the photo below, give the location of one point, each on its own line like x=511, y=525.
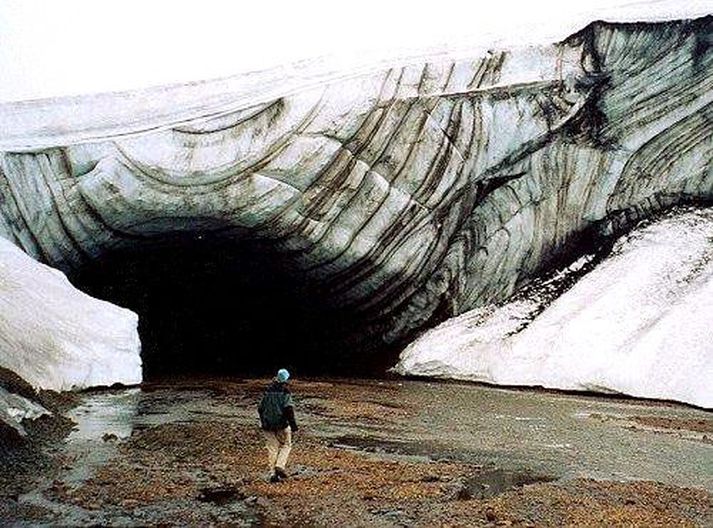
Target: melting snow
x=640, y=323
x=56, y=337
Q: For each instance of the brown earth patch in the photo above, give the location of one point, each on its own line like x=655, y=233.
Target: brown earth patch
x=678, y=424
x=330, y=487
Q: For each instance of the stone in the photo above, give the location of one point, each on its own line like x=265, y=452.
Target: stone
x=15, y=408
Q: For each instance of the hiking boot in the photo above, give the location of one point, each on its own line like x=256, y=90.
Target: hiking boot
x=280, y=474
x=274, y=478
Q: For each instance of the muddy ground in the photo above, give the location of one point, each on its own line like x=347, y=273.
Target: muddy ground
x=368, y=453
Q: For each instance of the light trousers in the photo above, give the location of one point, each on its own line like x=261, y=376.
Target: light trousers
x=279, y=445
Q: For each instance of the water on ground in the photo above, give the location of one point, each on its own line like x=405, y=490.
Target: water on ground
x=370, y=453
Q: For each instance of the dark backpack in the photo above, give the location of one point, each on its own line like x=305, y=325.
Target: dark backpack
x=277, y=397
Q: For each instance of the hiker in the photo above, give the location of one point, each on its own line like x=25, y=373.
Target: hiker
x=277, y=419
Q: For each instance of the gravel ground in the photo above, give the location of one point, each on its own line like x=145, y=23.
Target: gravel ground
x=369, y=453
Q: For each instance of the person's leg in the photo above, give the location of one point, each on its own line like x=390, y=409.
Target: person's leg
x=284, y=437
x=273, y=447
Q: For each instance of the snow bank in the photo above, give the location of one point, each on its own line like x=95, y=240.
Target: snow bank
x=640, y=323
x=56, y=337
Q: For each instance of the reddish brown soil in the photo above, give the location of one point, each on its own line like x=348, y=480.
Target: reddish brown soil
x=175, y=466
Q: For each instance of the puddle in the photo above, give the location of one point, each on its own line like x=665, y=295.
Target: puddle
x=391, y=450
x=485, y=484
x=493, y=482
x=101, y=414
x=220, y=496
x=417, y=451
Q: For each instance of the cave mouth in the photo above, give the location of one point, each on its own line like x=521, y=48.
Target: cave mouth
x=212, y=306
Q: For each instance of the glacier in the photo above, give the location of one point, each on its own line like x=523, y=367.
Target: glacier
x=402, y=194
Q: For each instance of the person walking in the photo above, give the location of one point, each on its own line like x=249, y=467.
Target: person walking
x=277, y=420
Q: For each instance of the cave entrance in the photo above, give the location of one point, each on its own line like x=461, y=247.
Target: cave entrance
x=214, y=306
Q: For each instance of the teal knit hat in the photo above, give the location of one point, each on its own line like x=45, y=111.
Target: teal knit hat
x=283, y=375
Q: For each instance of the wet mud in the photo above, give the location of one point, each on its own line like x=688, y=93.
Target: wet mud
x=493, y=482
x=368, y=453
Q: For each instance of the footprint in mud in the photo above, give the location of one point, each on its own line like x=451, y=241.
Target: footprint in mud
x=493, y=482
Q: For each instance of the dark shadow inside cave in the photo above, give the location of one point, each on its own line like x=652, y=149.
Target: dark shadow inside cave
x=212, y=306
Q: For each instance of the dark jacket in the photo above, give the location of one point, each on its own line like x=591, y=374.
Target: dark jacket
x=277, y=408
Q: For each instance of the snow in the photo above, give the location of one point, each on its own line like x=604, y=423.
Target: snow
x=56, y=337
x=14, y=409
x=171, y=41
x=640, y=323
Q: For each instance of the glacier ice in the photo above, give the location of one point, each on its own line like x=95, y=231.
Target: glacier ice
x=406, y=192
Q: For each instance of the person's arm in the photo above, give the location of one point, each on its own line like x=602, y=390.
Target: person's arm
x=289, y=411
x=290, y=416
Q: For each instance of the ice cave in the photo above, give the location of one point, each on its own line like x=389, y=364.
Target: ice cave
x=330, y=221
x=209, y=305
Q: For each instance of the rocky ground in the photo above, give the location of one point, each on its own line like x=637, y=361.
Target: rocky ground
x=369, y=453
